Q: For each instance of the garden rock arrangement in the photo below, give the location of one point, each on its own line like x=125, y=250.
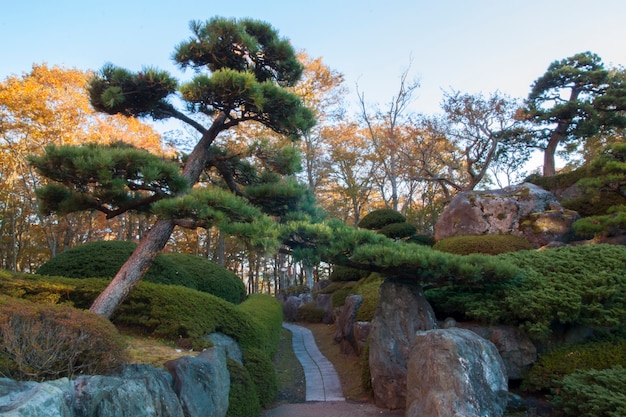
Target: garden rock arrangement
x=524, y=210
x=455, y=369
x=193, y=387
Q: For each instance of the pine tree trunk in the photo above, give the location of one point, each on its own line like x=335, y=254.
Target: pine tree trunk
x=134, y=269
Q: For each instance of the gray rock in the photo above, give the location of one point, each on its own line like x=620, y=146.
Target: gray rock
x=344, y=324
x=516, y=349
x=292, y=303
x=31, y=399
x=229, y=345
x=138, y=390
x=324, y=302
x=524, y=210
x=402, y=310
x=455, y=373
x=202, y=384
x=361, y=335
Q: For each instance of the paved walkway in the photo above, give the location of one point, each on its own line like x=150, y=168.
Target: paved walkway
x=322, y=382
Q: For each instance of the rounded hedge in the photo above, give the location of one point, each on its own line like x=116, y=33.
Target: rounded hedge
x=485, y=244
x=103, y=259
x=210, y=277
x=378, y=219
x=397, y=230
x=345, y=273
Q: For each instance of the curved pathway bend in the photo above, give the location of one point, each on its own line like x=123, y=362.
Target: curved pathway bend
x=324, y=395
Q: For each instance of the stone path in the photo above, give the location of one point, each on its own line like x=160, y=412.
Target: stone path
x=324, y=395
x=322, y=382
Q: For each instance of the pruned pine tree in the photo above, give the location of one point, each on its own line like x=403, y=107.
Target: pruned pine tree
x=243, y=74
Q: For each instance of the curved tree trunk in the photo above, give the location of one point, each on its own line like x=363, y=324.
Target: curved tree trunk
x=155, y=240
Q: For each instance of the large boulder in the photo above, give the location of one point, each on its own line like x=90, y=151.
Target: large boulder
x=229, y=345
x=202, y=383
x=292, y=303
x=516, y=349
x=138, y=390
x=31, y=399
x=524, y=210
x=455, y=372
x=402, y=310
x=324, y=302
x=344, y=324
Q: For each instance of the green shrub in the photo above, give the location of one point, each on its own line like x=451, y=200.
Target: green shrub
x=309, y=313
x=267, y=315
x=378, y=219
x=243, y=400
x=485, y=244
x=42, y=341
x=368, y=289
x=425, y=240
x=583, y=285
x=338, y=297
x=553, y=366
x=104, y=259
x=593, y=393
x=263, y=375
x=397, y=230
x=345, y=273
x=210, y=277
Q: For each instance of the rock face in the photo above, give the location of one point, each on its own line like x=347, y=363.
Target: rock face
x=229, y=345
x=524, y=210
x=292, y=303
x=516, y=349
x=402, y=310
x=30, y=399
x=344, y=324
x=324, y=302
x=202, y=384
x=455, y=373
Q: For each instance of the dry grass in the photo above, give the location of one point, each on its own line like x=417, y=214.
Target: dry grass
x=348, y=367
x=152, y=351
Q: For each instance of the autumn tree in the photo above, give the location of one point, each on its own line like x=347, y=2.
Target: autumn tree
x=50, y=105
x=574, y=100
x=242, y=72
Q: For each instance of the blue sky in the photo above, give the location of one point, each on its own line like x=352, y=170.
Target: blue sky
x=468, y=45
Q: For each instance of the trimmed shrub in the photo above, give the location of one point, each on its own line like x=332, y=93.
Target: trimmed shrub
x=593, y=393
x=262, y=374
x=43, y=342
x=243, y=400
x=267, y=314
x=338, y=297
x=309, y=313
x=345, y=273
x=210, y=277
x=485, y=244
x=378, y=219
x=397, y=230
x=552, y=367
x=104, y=258
x=424, y=240
x=579, y=285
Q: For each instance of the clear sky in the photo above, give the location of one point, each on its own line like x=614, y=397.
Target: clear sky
x=468, y=45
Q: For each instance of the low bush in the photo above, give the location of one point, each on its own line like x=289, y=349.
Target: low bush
x=267, y=314
x=378, y=219
x=593, y=393
x=368, y=289
x=338, y=297
x=263, y=375
x=210, y=277
x=309, y=313
x=397, y=230
x=243, y=400
x=345, y=273
x=424, y=240
x=552, y=367
x=580, y=285
x=485, y=244
x=43, y=342
x=103, y=259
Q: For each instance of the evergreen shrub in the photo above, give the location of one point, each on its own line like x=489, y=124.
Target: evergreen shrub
x=210, y=277
x=593, y=393
x=378, y=219
x=578, y=285
x=553, y=366
x=243, y=400
x=397, y=230
x=425, y=240
x=342, y=273
x=368, y=289
x=484, y=244
x=263, y=375
x=338, y=297
x=43, y=341
x=309, y=313
x=103, y=259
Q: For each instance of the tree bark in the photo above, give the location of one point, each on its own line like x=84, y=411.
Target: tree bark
x=155, y=240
